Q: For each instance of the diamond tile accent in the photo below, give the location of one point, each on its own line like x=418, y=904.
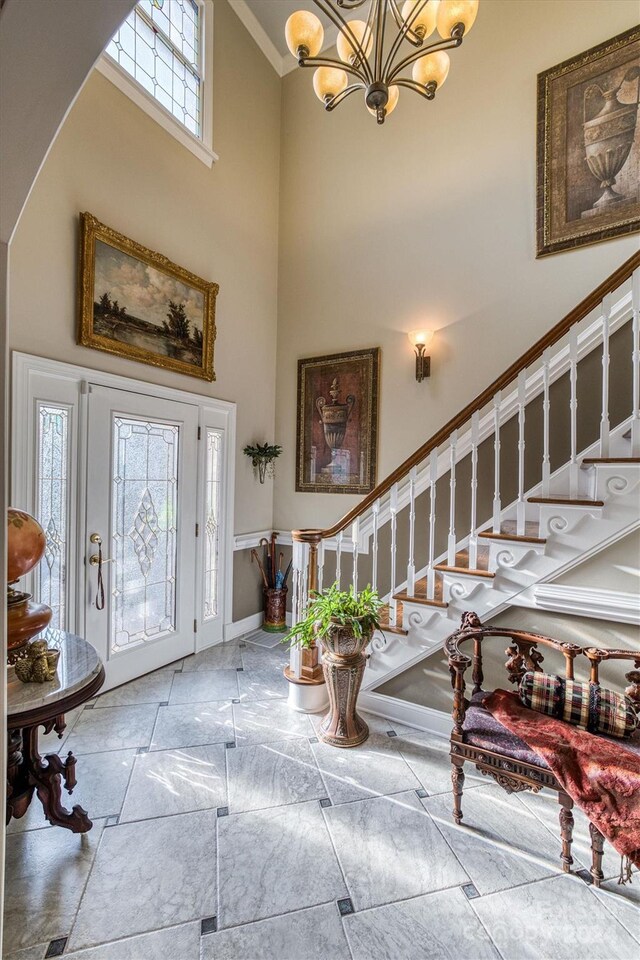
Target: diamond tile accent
x=470, y=891
x=208, y=925
x=345, y=907
x=56, y=948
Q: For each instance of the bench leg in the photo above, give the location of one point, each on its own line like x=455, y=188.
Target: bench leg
x=597, y=849
x=566, y=830
x=457, y=779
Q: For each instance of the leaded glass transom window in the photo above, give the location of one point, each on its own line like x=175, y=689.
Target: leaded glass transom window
x=52, y=493
x=159, y=46
x=213, y=506
x=144, y=531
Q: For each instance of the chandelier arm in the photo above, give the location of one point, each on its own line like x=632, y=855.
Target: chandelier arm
x=431, y=48
x=404, y=28
x=343, y=26
x=335, y=101
x=350, y=4
x=381, y=9
x=411, y=35
x=416, y=87
x=327, y=62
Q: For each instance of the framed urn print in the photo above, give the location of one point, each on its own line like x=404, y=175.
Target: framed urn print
x=138, y=304
x=589, y=146
x=338, y=422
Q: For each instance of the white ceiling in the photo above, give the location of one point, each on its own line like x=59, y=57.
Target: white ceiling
x=265, y=20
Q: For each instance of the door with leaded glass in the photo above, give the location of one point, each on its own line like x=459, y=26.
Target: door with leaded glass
x=141, y=580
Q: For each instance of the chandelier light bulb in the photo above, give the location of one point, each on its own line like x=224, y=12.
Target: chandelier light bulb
x=328, y=83
x=347, y=49
x=304, y=34
x=452, y=12
x=434, y=68
x=425, y=21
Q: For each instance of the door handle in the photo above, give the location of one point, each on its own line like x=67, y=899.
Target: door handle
x=96, y=560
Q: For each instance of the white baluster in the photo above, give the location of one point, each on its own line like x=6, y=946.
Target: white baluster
x=299, y=598
x=338, y=558
x=473, y=537
x=320, y=563
x=497, y=505
x=433, y=476
x=411, y=564
x=635, y=360
x=521, y=509
x=374, y=549
x=451, y=542
x=546, y=408
x=393, y=506
x=574, y=466
x=604, y=422
x=355, y=535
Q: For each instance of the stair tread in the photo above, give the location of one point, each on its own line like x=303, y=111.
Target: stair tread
x=576, y=501
x=392, y=628
x=611, y=460
x=509, y=531
x=419, y=598
x=461, y=564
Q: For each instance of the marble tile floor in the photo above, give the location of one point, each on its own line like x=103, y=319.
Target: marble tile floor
x=223, y=830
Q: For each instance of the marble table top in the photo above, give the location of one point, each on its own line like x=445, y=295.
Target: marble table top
x=77, y=667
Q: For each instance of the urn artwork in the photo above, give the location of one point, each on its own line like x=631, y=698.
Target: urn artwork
x=335, y=416
x=26, y=543
x=608, y=136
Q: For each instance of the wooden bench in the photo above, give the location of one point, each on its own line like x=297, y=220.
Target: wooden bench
x=481, y=739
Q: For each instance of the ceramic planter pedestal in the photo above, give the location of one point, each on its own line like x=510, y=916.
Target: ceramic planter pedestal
x=343, y=663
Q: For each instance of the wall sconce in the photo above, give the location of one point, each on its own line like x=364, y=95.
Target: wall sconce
x=420, y=339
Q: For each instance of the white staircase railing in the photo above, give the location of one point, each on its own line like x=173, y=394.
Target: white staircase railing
x=503, y=415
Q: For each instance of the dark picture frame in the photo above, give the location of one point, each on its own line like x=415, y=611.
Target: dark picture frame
x=588, y=192
x=337, y=422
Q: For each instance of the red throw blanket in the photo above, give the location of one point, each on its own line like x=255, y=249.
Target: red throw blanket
x=600, y=776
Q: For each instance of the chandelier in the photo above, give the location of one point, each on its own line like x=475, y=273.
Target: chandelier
x=374, y=63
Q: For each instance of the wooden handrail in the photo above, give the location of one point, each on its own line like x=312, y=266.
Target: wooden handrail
x=578, y=313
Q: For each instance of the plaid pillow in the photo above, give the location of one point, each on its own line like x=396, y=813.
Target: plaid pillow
x=586, y=705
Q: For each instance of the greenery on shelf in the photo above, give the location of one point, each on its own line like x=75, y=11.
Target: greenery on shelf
x=263, y=455
x=358, y=611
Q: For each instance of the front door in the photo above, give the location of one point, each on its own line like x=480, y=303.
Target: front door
x=141, y=547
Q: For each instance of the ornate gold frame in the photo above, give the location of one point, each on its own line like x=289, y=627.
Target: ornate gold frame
x=91, y=230
x=551, y=127
x=371, y=358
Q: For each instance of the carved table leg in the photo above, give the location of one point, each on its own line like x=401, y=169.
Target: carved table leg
x=597, y=849
x=566, y=830
x=457, y=779
x=30, y=772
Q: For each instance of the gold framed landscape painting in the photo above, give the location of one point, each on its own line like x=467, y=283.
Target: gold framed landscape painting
x=588, y=168
x=337, y=428
x=138, y=304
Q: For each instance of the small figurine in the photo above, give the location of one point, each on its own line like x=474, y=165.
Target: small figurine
x=39, y=664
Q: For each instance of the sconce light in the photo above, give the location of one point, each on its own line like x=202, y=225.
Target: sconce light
x=420, y=339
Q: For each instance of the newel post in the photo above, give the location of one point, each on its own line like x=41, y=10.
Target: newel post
x=307, y=690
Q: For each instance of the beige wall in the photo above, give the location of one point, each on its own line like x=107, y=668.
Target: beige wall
x=428, y=219
x=618, y=568
x=221, y=223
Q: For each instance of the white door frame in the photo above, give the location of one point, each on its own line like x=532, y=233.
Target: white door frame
x=39, y=379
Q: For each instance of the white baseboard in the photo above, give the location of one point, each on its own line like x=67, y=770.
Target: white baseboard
x=239, y=627
x=411, y=714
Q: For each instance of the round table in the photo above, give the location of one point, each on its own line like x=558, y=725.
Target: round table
x=79, y=676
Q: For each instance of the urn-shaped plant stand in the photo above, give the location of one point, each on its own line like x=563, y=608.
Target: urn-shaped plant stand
x=343, y=663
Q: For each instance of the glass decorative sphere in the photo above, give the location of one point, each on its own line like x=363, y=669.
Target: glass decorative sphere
x=26, y=543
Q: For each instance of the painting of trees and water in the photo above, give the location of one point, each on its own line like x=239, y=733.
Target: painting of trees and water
x=141, y=305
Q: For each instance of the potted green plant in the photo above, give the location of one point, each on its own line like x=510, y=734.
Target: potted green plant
x=343, y=622
x=263, y=457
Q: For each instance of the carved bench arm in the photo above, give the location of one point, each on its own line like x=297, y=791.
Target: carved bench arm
x=596, y=655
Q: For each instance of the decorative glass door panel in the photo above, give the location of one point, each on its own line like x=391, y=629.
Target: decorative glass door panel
x=141, y=533
x=144, y=532
x=51, y=497
x=213, y=509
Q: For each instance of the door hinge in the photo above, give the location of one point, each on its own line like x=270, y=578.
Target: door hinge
x=197, y=529
x=199, y=433
x=195, y=626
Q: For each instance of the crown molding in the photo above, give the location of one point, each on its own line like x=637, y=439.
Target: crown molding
x=281, y=65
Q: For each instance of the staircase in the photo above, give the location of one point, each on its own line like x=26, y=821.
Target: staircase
x=538, y=473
